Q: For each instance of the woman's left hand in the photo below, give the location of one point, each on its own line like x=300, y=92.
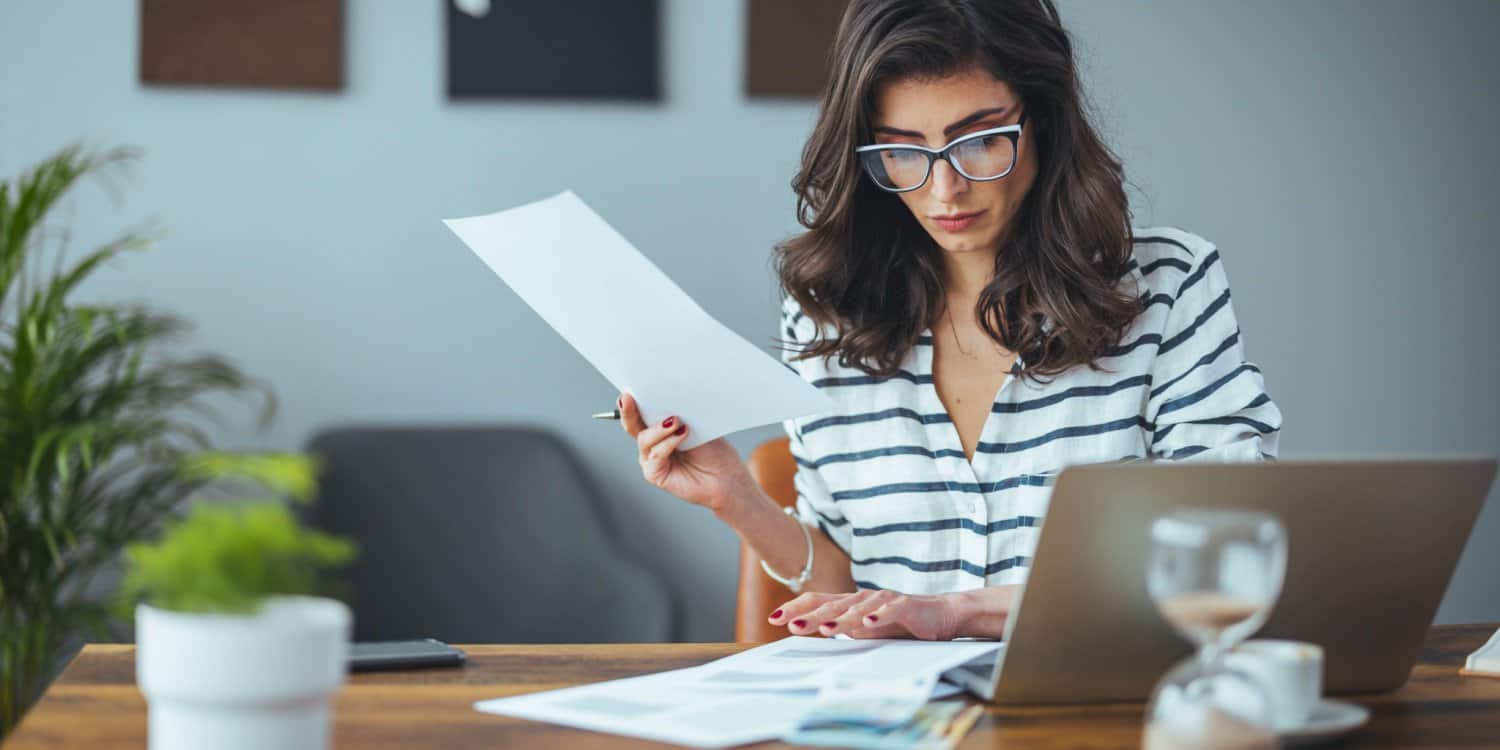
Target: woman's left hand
x=889, y=614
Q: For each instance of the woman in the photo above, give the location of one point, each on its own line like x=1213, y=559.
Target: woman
x=971, y=296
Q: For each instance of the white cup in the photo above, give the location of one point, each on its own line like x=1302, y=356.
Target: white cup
x=1290, y=671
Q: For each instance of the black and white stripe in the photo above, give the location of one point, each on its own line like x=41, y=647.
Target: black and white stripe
x=884, y=474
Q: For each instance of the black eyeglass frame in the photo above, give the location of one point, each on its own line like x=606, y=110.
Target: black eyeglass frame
x=1011, y=132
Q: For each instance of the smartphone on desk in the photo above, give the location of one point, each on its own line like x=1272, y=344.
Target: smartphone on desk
x=371, y=656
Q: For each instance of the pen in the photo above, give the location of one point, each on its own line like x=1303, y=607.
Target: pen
x=612, y=414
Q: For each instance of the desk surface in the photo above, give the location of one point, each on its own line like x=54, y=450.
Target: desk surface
x=95, y=703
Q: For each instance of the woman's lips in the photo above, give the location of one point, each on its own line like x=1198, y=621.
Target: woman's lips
x=956, y=222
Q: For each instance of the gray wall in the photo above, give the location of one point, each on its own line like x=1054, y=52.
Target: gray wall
x=1341, y=154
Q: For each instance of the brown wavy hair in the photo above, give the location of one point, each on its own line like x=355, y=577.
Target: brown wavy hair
x=868, y=268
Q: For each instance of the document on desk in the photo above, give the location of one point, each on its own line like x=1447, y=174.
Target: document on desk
x=802, y=663
x=664, y=707
x=752, y=696
x=633, y=323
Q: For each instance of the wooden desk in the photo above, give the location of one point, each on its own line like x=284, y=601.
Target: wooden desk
x=95, y=704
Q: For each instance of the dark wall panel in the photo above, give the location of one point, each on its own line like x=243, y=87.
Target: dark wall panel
x=790, y=41
x=291, y=44
x=555, y=49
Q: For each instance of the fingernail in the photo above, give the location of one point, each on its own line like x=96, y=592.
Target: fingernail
x=831, y=625
x=799, y=623
x=871, y=618
x=669, y=422
x=620, y=402
x=680, y=430
x=775, y=614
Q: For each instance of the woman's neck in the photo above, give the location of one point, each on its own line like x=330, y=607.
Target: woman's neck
x=967, y=274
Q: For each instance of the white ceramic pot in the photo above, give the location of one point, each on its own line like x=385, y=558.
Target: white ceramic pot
x=262, y=680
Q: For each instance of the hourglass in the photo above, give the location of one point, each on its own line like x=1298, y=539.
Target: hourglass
x=1215, y=576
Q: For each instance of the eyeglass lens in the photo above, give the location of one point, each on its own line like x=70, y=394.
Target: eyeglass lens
x=979, y=158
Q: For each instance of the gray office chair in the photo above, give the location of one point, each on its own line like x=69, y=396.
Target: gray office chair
x=480, y=535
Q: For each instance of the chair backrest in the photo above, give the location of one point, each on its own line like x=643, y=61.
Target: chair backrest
x=772, y=467
x=480, y=535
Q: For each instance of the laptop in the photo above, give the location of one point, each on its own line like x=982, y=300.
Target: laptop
x=1371, y=547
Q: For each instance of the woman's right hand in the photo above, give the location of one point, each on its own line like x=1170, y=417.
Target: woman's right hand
x=711, y=475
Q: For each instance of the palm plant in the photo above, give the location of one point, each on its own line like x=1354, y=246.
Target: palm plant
x=95, y=419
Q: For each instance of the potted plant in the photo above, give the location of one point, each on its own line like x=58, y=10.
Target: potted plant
x=233, y=650
x=97, y=408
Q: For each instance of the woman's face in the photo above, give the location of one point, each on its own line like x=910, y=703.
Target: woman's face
x=961, y=215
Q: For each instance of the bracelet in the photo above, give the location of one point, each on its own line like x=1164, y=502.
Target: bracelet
x=795, y=584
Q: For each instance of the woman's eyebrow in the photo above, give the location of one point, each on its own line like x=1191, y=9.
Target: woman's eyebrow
x=971, y=119
x=948, y=131
x=900, y=132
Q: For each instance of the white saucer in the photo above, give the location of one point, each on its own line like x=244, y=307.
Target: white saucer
x=1330, y=718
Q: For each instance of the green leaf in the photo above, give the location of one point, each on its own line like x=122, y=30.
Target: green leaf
x=291, y=474
x=229, y=558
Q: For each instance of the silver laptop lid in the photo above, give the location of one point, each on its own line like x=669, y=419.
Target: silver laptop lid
x=1372, y=545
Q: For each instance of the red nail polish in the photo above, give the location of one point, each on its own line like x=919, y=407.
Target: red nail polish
x=775, y=614
x=620, y=402
x=872, y=618
x=799, y=623
x=831, y=625
x=669, y=422
x=680, y=430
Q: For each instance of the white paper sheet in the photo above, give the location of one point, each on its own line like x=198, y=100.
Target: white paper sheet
x=768, y=690
x=637, y=327
x=662, y=707
x=803, y=663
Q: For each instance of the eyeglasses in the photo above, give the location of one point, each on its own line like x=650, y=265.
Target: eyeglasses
x=983, y=156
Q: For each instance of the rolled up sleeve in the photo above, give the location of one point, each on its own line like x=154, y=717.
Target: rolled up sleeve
x=1207, y=402
x=815, y=503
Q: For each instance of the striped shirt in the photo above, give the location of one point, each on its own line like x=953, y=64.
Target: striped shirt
x=884, y=475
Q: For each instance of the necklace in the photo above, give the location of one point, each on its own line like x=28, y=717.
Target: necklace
x=967, y=354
